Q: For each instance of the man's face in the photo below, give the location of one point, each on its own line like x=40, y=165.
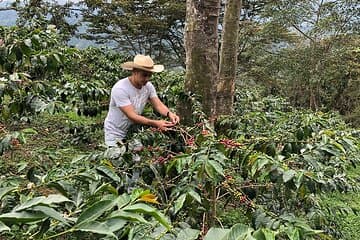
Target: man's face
x=143, y=77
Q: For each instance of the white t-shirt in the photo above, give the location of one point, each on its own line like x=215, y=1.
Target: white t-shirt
x=123, y=94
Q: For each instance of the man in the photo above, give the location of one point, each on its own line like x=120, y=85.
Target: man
x=128, y=99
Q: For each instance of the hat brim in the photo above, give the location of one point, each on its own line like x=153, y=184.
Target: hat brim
x=132, y=65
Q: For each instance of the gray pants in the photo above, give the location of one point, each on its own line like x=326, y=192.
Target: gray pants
x=114, y=153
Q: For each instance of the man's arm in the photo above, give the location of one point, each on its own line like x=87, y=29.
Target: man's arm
x=160, y=107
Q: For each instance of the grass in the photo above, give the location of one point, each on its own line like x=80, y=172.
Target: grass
x=53, y=139
x=345, y=210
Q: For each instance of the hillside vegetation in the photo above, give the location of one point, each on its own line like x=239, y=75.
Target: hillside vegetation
x=270, y=171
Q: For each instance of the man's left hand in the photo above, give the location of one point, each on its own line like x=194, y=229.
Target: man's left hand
x=175, y=119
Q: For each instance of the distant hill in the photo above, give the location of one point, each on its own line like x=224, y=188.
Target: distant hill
x=8, y=18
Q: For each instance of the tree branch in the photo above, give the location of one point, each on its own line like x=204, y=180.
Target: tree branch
x=303, y=33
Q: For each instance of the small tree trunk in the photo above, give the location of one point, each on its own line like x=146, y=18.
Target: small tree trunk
x=225, y=87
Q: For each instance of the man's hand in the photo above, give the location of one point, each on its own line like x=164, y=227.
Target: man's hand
x=175, y=119
x=164, y=125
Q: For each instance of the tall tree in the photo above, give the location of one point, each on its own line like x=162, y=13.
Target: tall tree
x=225, y=87
x=151, y=27
x=201, y=45
x=208, y=78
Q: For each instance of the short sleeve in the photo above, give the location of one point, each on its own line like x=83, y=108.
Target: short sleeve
x=152, y=90
x=120, y=97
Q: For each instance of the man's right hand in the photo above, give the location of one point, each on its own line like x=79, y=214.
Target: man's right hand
x=164, y=125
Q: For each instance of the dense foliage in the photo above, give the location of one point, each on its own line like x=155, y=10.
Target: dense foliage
x=151, y=27
x=270, y=171
x=305, y=51
x=260, y=174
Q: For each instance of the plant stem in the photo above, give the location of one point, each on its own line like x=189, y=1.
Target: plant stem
x=59, y=234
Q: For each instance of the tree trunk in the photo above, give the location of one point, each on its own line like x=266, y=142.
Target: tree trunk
x=201, y=46
x=225, y=87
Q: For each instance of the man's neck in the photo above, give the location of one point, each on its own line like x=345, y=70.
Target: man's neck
x=131, y=79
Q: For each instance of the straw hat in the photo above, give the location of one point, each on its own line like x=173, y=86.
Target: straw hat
x=144, y=63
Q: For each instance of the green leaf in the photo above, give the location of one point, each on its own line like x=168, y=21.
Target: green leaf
x=28, y=43
x=30, y=203
x=217, y=234
x=330, y=150
x=51, y=199
x=22, y=217
x=217, y=167
x=95, y=227
x=123, y=200
x=45, y=226
x=299, y=180
x=51, y=213
x=188, y=234
x=130, y=216
x=195, y=196
x=269, y=234
x=259, y=235
x=143, y=208
x=292, y=233
x=210, y=171
x=261, y=161
x=306, y=229
x=338, y=146
x=115, y=224
x=182, y=161
x=288, y=175
x=55, y=198
x=95, y=210
x=179, y=202
x=109, y=173
x=106, y=187
x=6, y=190
x=56, y=57
x=3, y=227
x=29, y=131
x=239, y=231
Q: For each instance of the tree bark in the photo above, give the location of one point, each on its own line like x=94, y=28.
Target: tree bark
x=201, y=46
x=225, y=87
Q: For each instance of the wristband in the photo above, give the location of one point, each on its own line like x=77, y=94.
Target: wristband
x=168, y=114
